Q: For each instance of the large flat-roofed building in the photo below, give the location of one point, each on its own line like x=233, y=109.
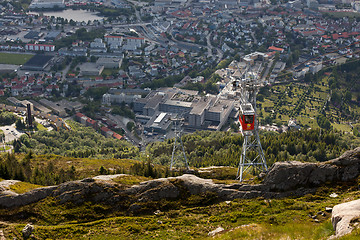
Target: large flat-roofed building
x=199, y=112
x=159, y=123
x=90, y=69
x=174, y=106
x=60, y=108
x=47, y=4
x=53, y=35
x=118, y=96
x=219, y=112
x=109, y=62
x=37, y=63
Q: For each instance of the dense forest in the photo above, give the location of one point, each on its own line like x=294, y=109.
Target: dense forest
x=205, y=148
x=80, y=142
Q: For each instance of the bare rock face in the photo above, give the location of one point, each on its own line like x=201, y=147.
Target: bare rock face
x=35, y=195
x=287, y=176
x=344, y=216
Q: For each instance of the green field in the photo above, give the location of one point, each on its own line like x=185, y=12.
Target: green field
x=14, y=58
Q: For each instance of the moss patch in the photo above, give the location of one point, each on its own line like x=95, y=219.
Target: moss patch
x=23, y=187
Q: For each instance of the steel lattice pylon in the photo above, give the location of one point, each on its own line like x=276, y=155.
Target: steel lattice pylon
x=251, y=142
x=178, y=144
x=252, y=155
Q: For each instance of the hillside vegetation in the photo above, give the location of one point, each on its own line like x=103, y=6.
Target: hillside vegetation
x=80, y=141
x=205, y=148
x=331, y=96
x=185, y=217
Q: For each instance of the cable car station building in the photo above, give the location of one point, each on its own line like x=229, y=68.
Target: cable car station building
x=200, y=112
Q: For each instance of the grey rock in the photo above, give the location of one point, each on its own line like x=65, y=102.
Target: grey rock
x=88, y=180
x=214, y=232
x=333, y=195
x=27, y=230
x=343, y=216
x=286, y=176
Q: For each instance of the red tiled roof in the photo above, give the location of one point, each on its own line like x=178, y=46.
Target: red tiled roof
x=276, y=48
x=105, y=129
x=117, y=136
x=113, y=36
x=80, y=115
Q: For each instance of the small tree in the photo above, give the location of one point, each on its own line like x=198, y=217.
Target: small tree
x=102, y=170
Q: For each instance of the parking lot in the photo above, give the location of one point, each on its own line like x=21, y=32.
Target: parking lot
x=11, y=133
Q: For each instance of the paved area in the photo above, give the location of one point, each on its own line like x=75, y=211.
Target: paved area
x=11, y=133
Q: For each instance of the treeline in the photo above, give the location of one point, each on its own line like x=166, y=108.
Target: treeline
x=123, y=110
x=206, y=148
x=163, y=82
x=80, y=34
x=31, y=168
x=12, y=167
x=80, y=142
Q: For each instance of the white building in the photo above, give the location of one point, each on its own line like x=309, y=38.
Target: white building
x=40, y=47
x=47, y=4
x=114, y=39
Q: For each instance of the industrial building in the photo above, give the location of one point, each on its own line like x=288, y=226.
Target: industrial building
x=159, y=123
x=62, y=107
x=118, y=96
x=200, y=112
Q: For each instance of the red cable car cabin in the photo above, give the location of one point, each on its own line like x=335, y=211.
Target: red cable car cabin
x=247, y=117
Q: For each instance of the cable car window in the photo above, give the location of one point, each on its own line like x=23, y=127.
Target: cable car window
x=248, y=118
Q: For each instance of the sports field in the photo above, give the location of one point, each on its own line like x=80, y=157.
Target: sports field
x=14, y=58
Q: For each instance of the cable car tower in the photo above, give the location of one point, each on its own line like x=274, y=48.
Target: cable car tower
x=178, y=148
x=252, y=155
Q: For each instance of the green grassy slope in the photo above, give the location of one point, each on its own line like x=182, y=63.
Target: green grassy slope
x=189, y=218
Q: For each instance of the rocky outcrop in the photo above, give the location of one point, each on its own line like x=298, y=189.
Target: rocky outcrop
x=284, y=179
x=287, y=176
x=35, y=195
x=345, y=216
